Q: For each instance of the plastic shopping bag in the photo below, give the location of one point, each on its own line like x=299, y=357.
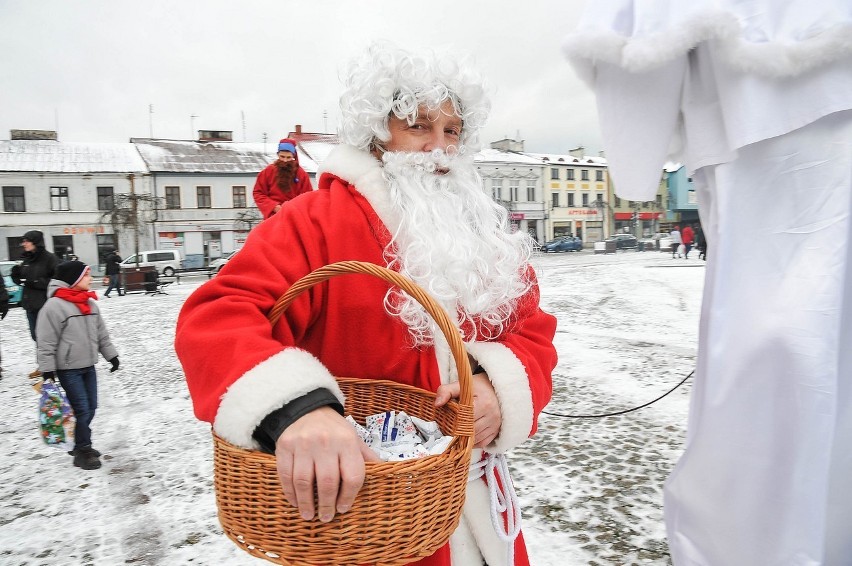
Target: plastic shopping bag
x=56, y=418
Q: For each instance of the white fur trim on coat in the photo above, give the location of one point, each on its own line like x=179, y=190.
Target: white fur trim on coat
x=511, y=383
x=362, y=170
x=268, y=386
x=651, y=47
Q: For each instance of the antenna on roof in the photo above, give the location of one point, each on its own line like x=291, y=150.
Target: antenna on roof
x=325, y=121
x=151, y=121
x=243, y=118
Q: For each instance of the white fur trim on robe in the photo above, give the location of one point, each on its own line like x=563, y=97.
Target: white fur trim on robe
x=512, y=385
x=268, y=386
x=475, y=538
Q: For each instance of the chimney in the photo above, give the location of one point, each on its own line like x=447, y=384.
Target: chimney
x=215, y=135
x=298, y=129
x=578, y=152
x=32, y=135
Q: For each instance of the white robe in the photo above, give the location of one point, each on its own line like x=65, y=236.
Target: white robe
x=756, y=98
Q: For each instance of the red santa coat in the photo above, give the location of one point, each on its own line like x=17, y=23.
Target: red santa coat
x=341, y=328
x=266, y=193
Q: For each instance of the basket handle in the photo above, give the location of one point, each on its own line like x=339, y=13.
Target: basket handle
x=438, y=314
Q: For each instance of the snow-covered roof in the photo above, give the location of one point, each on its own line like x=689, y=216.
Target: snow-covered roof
x=49, y=156
x=568, y=159
x=671, y=167
x=316, y=150
x=180, y=156
x=489, y=155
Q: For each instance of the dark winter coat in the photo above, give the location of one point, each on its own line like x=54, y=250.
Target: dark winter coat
x=34, y=272
x=112, y=264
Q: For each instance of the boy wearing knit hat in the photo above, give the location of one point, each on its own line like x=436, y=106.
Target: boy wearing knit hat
x=281, y=181
x=70, y=332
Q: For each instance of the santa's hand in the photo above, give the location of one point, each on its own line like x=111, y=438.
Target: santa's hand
x=487, y=418
x=321, y=451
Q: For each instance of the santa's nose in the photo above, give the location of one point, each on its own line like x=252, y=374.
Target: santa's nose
x=438, y=140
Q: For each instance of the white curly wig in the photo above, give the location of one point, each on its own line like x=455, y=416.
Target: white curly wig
x=387, y=79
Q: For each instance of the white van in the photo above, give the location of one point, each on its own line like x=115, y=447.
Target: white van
x=167, y=262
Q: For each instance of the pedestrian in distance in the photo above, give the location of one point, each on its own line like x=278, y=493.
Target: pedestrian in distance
x=688, y=237
x=4, y=310
x=401, y=191
x=700, y=242
x=677, y=241
x=34, y=274
x=71, y=334
x=113, y=272
x=281, y=180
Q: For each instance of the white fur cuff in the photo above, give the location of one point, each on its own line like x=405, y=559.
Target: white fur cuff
x=511, y=383
x=268, y=386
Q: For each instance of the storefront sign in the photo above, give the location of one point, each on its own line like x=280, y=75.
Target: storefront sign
x=83, y=230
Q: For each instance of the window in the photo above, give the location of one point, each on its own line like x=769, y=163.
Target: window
x=513, y=189
x=584, y=174
x=570, y=174
x=239, y=193
x=554, y=173
x=59, y=198
x=202, y=195
x=13, y=200
x=598, y=175
x=659, y=201
x=691, y=197
x=495, y=189
x=599, y=198
x=570, y=199
x=530, y=191
x=554, y=200
x=617, y=202
x=105, y=198
x=585, y=199
x=172, y=197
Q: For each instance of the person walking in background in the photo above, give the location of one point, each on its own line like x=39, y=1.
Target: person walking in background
x=281, y=181
x=4, y=310
x=688, y=238
x=700, y=242
x=71, y=333
x=113, y=271
x=677, y=241
x=34, y=274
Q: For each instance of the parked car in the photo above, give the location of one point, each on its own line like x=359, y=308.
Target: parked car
x=167, y=262
x=15, y=291
x=219, y=263
x=623, y=241
x=563, y=244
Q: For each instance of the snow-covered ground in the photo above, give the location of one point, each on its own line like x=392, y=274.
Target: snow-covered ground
x=591, y=489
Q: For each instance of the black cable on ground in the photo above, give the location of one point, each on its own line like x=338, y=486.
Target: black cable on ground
x=620, y=412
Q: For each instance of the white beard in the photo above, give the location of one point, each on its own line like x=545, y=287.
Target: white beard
x=454, y=242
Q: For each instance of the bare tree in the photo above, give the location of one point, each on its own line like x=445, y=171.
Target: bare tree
x=247, y=219
x=131, y=213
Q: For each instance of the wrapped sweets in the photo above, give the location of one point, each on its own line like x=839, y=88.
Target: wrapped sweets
x=396, y=436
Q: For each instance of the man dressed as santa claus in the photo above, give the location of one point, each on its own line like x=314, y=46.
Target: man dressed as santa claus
x=280, y=181
x=402, y=192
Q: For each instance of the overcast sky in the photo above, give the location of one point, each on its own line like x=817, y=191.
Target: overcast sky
x=90, y=69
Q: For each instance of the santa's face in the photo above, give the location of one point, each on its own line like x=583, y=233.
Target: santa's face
x=436, y=129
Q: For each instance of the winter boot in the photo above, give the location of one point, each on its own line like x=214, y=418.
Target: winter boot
x=85, y=458
x=91, y=449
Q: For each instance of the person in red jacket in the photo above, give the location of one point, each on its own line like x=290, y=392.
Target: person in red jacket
x=688, y=237
x=401, y=191
x=280, y=181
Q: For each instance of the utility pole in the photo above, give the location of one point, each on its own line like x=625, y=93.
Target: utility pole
x=192, y=118
x=325, y=121
x=243, y=119
x=151, y=121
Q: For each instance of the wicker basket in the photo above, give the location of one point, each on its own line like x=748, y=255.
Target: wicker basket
x=405, y=510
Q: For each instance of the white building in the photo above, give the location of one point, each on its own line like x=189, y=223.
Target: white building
x=64, y=189
x=205, y=192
